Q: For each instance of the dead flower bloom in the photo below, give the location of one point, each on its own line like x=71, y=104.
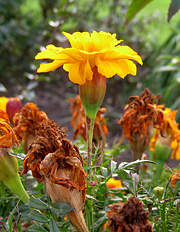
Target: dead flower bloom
x=139, y=119
x=9, y=164
x=174, y=178
x=53, y=159
x=25, y=123
x=79, y=125
x=128, y=217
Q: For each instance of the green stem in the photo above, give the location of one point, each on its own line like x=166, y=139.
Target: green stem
x=15, y=185
x=163, y=218
x=89, y=138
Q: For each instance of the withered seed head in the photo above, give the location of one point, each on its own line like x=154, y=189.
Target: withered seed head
x=56, y=161
x=128, y=217
x=140, y=117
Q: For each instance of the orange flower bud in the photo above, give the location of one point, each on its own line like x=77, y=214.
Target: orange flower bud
x=13, y=106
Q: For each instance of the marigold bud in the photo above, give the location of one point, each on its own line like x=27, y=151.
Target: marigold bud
x=158, y=191
x=13, y=106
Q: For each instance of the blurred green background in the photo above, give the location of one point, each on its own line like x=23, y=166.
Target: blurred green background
x=28, y=26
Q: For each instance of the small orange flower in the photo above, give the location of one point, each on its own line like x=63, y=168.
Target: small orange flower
x=113, y=183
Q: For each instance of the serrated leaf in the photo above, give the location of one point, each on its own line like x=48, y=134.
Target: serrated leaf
x=173, y=8
x=36, y=203
x=53, y=226
x=113, y=166
x=134, y=8
x=38, y=216
x=60, y=208
x=17, y=155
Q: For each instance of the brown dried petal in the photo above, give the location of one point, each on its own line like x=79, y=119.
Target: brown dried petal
x=129, y=217
x=140, y=117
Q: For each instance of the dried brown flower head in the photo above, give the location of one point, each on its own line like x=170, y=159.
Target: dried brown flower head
x=48, y=137
x=56, y=161
x=139, y=119
x=128, y=217
x=25, y=123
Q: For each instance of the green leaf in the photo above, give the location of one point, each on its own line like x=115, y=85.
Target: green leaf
x=173, y=8
x=60, y=208
x=36, y=203
x=53, y=226
x=38, y=216
x=113, y=166
x=37, y=228
x=137, y=162
x=134, y=8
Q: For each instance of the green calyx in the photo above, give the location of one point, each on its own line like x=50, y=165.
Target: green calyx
x=92, y=94
x=9, y=174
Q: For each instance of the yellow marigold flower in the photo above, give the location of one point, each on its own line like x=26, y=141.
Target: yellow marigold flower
x=113, y=183
x=3, y=103
x=90, y=50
